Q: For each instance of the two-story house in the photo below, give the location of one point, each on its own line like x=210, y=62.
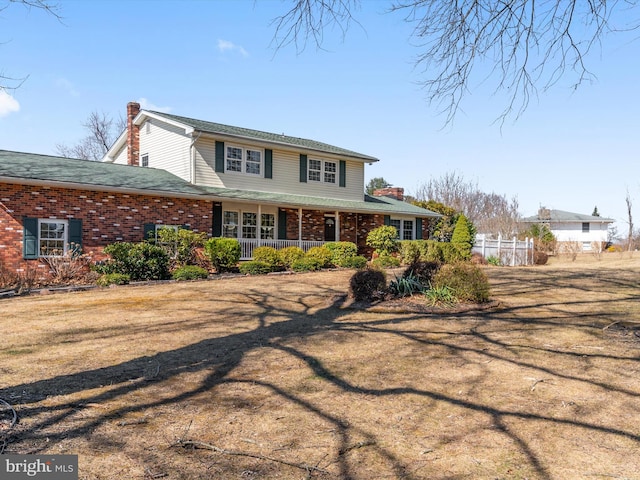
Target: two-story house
x=166, y=170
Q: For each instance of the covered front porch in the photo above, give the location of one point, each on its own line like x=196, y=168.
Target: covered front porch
x=249, y=244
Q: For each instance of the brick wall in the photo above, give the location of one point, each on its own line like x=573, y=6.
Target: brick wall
x=107, y=217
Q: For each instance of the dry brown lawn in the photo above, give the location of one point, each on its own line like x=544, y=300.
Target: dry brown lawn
x=277, y=377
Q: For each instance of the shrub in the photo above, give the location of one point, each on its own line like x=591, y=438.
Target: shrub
x=442, y=252
x=385, y=261
x=384, y=240
x=321, y=254
x=341, y=252
x=255, y=267
x=68, y=267
x=181, y=245
x=306, y=264
x=224, y=253
x=540, y=258
x=467, y=281
x=495, y=261
x=190, y=272
x=355, y=262
x=367, y=285
x=141, y=261
x=112, y=279
x=463, y=236
x=288, y=255
x=268, y=255
x=409, y=251
x=422, y=271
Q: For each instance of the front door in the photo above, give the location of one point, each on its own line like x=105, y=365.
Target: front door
x=329, y=229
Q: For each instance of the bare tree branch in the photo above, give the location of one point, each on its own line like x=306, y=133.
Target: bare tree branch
x=102, y=134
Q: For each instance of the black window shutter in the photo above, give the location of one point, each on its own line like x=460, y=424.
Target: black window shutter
x=303, y=168
x=217, y=220
x=268, y=163
x=185, y=227
x=343, y=173
x=219, y=166
x=387, y=220
x=418, y=229
x=282, y=224
x=75, y=235
x=30, y=238
x=149, y=231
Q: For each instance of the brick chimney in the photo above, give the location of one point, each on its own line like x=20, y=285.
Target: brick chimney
x=391, y=192
x=133, y=134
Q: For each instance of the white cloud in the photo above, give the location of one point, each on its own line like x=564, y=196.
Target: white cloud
x=8, y=104
x=68, y=86
x=147, y=105
x=227, y=46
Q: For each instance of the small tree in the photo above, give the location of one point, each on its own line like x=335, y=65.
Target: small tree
x=383, y=240
x=463, y=236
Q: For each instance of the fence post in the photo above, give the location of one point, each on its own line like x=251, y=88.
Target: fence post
x=513, y=257
x=499, y=247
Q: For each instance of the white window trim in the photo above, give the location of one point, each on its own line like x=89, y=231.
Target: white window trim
x=402, y=229
x=258, y=226
x=323, y=171
x=142, y=160
x=243, y=161
x=237, y=225
x=65, y=242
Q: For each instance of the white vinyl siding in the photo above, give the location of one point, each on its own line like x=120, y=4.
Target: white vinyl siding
x=286, y=174
x=167, y=147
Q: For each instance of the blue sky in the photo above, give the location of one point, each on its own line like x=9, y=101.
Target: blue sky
x=213, y=60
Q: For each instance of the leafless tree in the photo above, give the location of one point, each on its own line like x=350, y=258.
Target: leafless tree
x=629, y=221
x=527, y=44
x=490, y=213
x=102, y=132
x=52, y=8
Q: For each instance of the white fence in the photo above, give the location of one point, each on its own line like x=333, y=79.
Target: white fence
x=249, y=244
x=510, y=252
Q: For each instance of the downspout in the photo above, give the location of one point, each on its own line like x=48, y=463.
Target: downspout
x=192, y=154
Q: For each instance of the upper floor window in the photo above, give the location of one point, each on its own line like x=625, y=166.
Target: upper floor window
x=243, y=160
x=322, y=171
x=144, y=160
x=585, y=227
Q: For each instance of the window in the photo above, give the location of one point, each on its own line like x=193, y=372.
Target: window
x=52, y=238
x=144, y=160
x=230, y=224
x=322, y=171
x=243, y=160
x=268, y=226
x=407, y=230
x=249, y=225
x=585, y=227
x=396, y=223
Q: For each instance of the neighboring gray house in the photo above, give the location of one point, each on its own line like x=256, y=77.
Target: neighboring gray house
x=587, y=232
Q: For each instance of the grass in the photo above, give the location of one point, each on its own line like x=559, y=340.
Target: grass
x=276, y=370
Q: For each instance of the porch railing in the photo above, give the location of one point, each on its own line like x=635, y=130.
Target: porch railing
x=248, y=245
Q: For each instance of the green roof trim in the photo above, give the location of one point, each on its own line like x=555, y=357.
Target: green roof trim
x=74, y=173
x=218, y=128
x=559, y=216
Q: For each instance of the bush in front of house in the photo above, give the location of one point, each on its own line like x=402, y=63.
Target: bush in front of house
x=181, y=245
x=467, y=282
x=321, y=254
x=224, y=253
x=410, y=251
x=268, y=255
x=288, y=255
x=383, y=240
x=190, y=272
x=306, y=264
x=463, y=236
x=385, y=261
x=358, y=262
x=112, y=279
x=422, y=271
x=367, y=285
x=141, y=261
x=341, y=252
x=255, y=267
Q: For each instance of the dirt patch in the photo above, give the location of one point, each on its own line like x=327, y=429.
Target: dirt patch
x=279, y=377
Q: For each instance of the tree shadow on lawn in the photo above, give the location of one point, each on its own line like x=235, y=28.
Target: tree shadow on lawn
x=223, y=355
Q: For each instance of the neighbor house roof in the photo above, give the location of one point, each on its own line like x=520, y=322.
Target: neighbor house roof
x=192, y=124
x=560, y=216
x=30, y=168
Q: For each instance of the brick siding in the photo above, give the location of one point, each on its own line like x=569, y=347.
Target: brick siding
x=107, y=217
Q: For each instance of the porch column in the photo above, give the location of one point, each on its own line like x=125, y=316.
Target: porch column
x=300, y=227
x=259, y=225
x=337, y=214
